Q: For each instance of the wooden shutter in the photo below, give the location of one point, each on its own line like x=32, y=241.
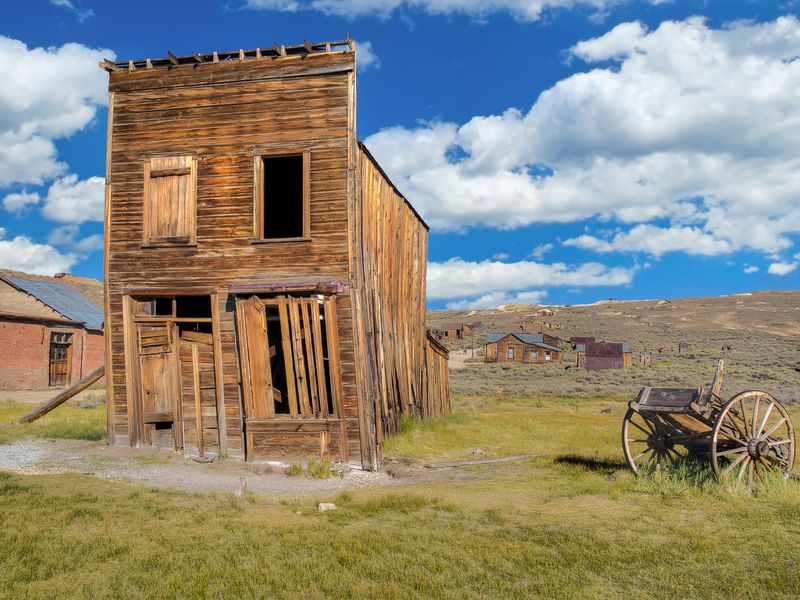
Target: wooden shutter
x=254, y=350
x=169, y=200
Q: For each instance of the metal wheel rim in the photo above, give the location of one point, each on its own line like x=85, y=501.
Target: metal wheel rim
x=742, y=457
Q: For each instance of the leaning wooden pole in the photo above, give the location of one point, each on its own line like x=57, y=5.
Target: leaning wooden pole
x=59, y=399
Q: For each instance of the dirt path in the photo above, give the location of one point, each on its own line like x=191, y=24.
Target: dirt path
x=163, y=469
x=168, y=470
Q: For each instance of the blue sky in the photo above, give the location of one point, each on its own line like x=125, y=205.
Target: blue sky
x=563, y=151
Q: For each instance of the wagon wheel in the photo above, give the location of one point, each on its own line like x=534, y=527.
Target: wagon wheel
x=647, y=444
x=753, y=439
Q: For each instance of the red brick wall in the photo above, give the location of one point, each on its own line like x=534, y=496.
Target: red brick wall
x=25, y=348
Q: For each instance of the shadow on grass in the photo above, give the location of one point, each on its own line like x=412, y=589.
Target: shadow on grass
x=593, y=464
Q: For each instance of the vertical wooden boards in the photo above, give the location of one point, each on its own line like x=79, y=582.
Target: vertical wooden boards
x=198, y=393
x=170, y=184
x=389, y=292
x=218, y=373
x=299, y=357
x=335, y=370
x=316, y=327
x=107, y=331
x=287, y=344
x=132, y=376
x=254, y=346
x=313, y=387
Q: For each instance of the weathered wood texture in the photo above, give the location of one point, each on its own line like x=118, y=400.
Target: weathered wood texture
x=365, y=249
x=511, y=349
x=391, y=245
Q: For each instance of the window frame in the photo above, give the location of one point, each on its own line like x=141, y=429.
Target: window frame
x=510, y=353
x=148, y=241
x=258, y=193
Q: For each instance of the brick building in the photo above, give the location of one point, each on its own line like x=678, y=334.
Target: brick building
x=50, y=335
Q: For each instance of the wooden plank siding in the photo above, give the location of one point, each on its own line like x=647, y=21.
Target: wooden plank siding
x=498, y=352
x=362, y=234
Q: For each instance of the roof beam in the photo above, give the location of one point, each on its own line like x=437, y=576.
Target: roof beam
x=108, y=65
x=172, y=58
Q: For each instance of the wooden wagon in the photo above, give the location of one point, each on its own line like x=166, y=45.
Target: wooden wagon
x=747, y=438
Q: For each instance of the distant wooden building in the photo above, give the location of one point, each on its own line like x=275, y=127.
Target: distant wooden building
x=453, y=331
x=525, y=348
x=596, y=356
x=265, y=279
x=51, y=335
x=536, y=328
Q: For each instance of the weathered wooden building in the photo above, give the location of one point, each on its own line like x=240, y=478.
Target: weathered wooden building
x=265, y=279
x=452, y=331
x=596, y=356
x=50, y=335
x=537, y=329
x=525, y=348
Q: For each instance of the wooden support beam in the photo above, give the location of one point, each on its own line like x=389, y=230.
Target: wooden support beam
x=216, y=58
x=258, y=53
x=286, y=345
x=149, y=64
x=63, y=396
x=281, y=50
x=172, y=58
x=199, y=58
x=131, y=66
x=241, y=54
x=309, y=48
x=108, y=65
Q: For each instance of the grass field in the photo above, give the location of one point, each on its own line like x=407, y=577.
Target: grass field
x=71, y=421
x=571, y=522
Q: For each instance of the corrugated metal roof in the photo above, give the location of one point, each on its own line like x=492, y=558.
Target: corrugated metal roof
x=534, y=339
x=61, y=299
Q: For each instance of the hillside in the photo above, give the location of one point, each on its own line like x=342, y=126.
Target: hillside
x=762, y=329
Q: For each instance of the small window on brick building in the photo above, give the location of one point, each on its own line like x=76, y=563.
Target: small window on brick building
x=169, y=200
x=281, y=196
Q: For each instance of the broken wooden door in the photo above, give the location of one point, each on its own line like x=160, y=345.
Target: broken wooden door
x=159, y=384
x=200, y=424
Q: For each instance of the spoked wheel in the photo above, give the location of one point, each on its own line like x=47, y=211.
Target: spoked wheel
x=647, y=444
x=753, y=440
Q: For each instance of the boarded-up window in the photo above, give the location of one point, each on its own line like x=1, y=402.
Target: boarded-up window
x=281, y=196
x=534, y=355
x=288, y=353
x=169, y=200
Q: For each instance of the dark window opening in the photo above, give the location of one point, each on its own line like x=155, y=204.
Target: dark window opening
x=283, y=196
x=162, y=425
x=162, y=307
x=193, y=307
x=198, y=327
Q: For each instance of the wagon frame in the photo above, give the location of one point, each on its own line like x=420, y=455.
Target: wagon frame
x=747, y=439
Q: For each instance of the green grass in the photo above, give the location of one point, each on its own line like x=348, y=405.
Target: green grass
x=68, y=421
x=571, y=522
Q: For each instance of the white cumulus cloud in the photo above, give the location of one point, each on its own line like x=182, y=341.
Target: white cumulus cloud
x=781, y=268
x=23, y=254
x=492, y=282
x=365, y=57
x=656, y=241
x=47, y=94
x=70, y=200
x=750, y=269
x=690, y=124
x=19, y=202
